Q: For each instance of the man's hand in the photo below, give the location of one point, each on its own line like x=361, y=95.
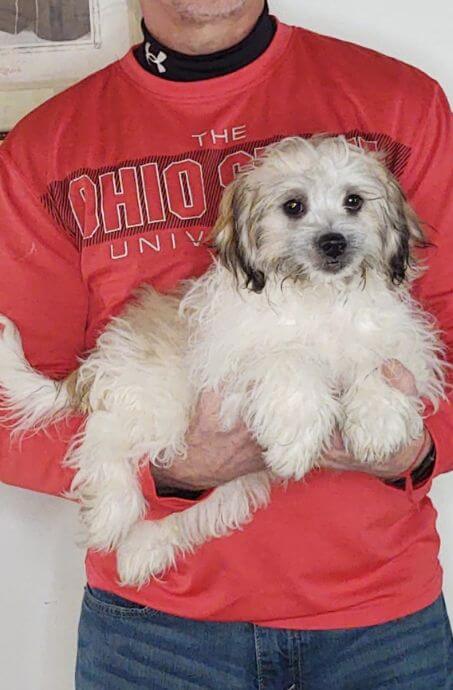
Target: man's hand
x=214, y=456
x=409, y=458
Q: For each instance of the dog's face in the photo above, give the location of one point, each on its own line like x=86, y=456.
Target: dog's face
x=316, y=210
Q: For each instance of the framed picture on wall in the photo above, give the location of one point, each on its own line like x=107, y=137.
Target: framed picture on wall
x=33, y=24
x=46, y=45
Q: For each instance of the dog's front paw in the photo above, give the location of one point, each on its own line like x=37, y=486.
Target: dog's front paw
x=296, y=439
x=376, y=426
x=147, y=552
x=294, y=460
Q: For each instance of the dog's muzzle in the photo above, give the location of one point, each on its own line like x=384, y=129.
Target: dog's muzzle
x=332, y=244
x=333, y=252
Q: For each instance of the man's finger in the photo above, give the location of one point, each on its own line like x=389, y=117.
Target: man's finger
x=399, y=377
x=337, y=441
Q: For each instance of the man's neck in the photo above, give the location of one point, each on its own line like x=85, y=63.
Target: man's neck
x=198, y=38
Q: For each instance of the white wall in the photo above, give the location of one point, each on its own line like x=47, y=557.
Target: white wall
x=41, y=573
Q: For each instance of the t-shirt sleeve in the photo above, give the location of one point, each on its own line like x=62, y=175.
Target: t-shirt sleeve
x=42, y=291
x=429, y=185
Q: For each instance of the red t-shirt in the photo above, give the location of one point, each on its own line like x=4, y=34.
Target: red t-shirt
x=116, y=182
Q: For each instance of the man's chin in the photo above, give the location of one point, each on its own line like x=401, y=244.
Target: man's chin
x=206, y=10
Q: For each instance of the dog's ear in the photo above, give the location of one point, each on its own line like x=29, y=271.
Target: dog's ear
x=233, y=234
x=405, y=234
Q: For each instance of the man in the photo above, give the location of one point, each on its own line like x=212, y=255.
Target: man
x=116, y=182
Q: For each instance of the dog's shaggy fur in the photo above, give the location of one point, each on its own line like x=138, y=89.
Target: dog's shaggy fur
x=308, y=297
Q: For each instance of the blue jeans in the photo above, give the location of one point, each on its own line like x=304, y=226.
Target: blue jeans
x=123, y=646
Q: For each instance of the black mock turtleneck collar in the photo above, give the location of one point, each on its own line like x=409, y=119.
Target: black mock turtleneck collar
x=169, y=64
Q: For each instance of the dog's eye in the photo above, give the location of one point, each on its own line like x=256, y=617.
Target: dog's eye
x=353, y=203
x=294, y=208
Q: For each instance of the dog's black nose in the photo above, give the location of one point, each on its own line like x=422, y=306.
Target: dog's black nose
x=332, y=244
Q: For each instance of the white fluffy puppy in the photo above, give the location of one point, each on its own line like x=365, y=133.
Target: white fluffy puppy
x=308, y=297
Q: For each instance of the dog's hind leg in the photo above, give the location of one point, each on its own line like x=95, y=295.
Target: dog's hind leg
x=106, y=482
x=153, y=546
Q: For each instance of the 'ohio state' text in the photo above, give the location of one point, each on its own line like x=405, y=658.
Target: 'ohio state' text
x=166, y=192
